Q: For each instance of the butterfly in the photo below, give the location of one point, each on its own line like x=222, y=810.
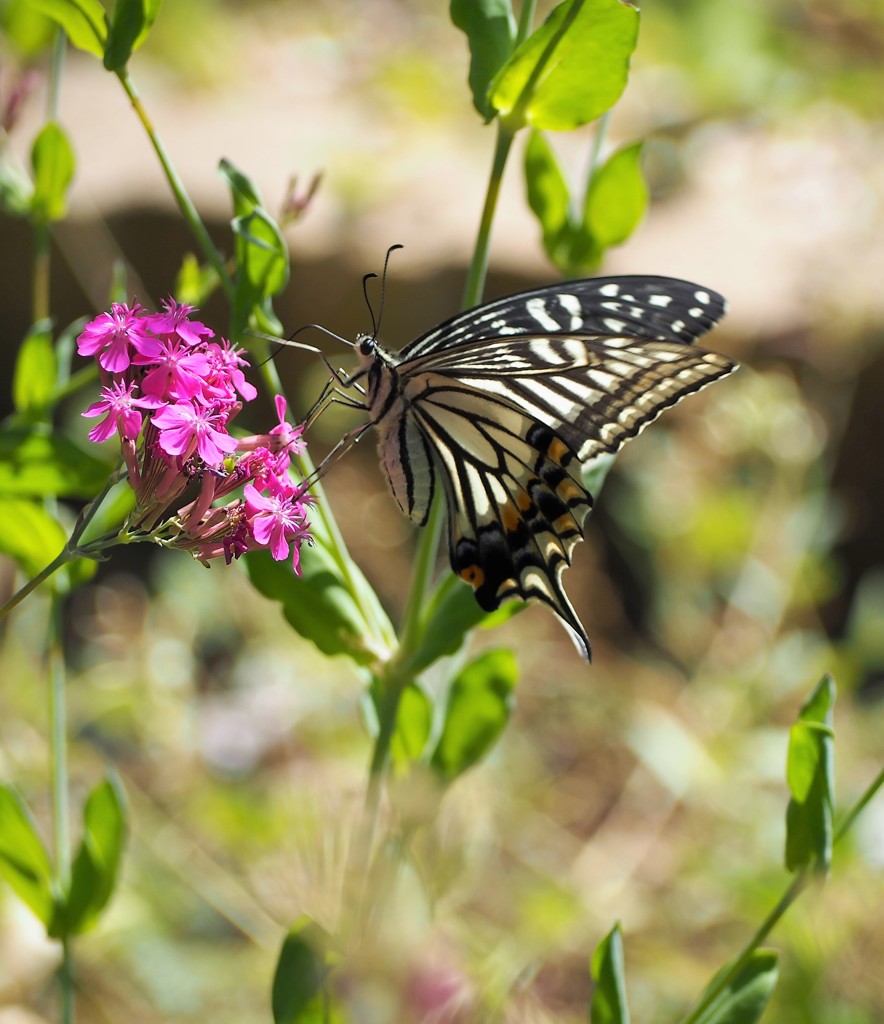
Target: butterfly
x=500, y=407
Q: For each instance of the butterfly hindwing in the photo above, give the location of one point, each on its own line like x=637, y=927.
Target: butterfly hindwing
x=515, y=500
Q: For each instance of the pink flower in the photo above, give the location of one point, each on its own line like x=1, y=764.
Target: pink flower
x=186, y=428
x=178, y=371
x=112, y=334
x=174, y=320
x=276, y=521
x=226, y=362
x=121, y=407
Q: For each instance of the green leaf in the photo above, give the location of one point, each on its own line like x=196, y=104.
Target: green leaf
x=130, y=25
x=490, y=28
x=83, y=21
x=36, y=463
x=30, y=535
x=16, y=190
x=261, y=255
x=301, y=972
x=616, y=199
x=24, y=862
x=52, y=159
x=33, y=382
x=195, y=281
x=608, y=1005
x=414, y=720
x=810, y=771
x=572, y=69
x=450, y=613
x=744, y=998
x=479, y=705
x=97, y=863
x=317, y=604
x=548, y=196
x=126, y=25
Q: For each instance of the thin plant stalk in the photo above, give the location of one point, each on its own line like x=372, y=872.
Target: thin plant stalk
x=798, y=884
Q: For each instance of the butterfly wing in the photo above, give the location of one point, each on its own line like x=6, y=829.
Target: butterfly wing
x=643, y=307
x=596, y=392
x=516, y=504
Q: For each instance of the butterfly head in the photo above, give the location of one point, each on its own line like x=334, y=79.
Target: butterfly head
x=366, y=345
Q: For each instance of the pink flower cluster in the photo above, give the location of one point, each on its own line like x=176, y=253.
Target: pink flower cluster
x=171, y=393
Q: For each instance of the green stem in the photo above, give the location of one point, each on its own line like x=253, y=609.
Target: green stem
x=185, y=204
x=478, y=271
x=526, y=20
x=60, y=791
x=798, y=884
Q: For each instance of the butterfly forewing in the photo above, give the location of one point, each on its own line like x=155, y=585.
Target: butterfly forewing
x=643, y=307
x=500, y=405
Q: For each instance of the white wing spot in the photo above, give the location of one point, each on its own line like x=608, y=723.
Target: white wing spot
x=637, y=312
x=609, y=290
x=613, y=306
x=544, y=350
x=617, y=326
x=575, y=350
x=678, y=325
x=660, y=300
x=537, y=309
x=695, y=311
x=704, y=298
x=571, y=304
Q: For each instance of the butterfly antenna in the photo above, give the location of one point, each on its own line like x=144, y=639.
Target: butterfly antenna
x=390, y=252
x=374, y=323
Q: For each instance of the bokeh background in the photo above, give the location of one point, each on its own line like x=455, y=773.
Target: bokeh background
x=736, y=554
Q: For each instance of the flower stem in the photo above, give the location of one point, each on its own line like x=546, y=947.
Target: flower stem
x=798, y=884
x=60, y=791
x=185, y=204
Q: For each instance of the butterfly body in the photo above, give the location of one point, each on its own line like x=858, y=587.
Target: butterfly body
x=500, y=407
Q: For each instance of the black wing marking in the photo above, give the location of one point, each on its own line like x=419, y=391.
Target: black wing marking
x=645, y=307
x=516, y=505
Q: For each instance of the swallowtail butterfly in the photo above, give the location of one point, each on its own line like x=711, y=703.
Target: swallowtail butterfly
x=499, y=407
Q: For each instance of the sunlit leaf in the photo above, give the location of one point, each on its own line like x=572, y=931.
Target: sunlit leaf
x=414, y=720
x=479, y=705
x=37, y=463
x=572, y=69
x=301, y=971
x=33, y=381
x=616, y=199
x=744, y=998
x=24, y=862
x=195, y=281
x=82, y=20
x=97, y=863
x=608, y=1004
x=30, y=534
x=490, y=27
x=126, y=25
x=52, y=159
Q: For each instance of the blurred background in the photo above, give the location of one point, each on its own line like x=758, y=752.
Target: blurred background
x=736, y=552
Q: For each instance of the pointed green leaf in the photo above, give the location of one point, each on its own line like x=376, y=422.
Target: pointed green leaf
x=744, y=998
x=480, y=702
x=490, y=27
x=52, y=159
x=33, y=382
x=608, y=1005
x=617, y=198
x=810, y=773
x=126, y=25
x=301, y=972
x=548, y=197
x=572, y=69
x=83, y=21
x=24, y=862
x=243, y=190
x=414, y=720
x=318, y=604
x=37, y=463
x=97, y=863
